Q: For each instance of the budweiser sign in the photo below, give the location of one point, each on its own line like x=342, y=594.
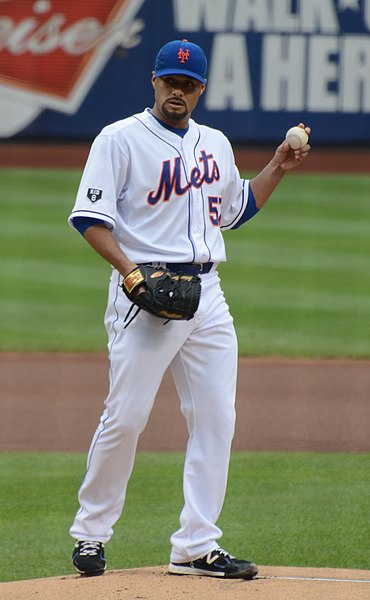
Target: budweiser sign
x=51, y=52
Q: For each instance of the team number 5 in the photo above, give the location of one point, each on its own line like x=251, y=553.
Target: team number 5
x=214, y=207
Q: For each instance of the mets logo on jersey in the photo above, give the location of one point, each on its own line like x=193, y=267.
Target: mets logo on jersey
x=173, y=178
x=52, y=51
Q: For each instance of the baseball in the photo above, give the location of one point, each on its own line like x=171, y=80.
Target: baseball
x=296, y=137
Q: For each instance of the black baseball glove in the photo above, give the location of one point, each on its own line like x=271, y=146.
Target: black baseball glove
x=170, y=296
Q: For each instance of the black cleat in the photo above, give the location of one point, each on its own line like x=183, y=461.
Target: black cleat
x=88, y=558
x=217, y=563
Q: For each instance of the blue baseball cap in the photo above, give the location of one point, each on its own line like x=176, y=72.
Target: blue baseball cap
x=181, y=57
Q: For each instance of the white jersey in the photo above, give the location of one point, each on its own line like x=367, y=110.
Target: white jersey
x=165, y=197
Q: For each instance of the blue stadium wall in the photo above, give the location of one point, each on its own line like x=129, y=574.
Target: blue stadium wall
x=68, y=69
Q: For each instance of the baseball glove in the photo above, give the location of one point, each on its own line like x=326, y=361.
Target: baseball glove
x=171, y=296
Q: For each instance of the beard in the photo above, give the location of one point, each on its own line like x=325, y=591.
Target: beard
x=174, y=115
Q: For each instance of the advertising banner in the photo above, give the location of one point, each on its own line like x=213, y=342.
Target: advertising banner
x=68, y=68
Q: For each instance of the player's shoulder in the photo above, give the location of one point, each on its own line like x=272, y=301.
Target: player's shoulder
x=213, y=134
x=205, y=130
x=123, y=125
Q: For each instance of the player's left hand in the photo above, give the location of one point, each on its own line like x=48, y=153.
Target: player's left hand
x=287, y=158
x=171, y=296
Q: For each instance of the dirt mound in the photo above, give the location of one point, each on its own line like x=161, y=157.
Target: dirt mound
x=279, y=583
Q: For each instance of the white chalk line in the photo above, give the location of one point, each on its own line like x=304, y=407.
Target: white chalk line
x=313, y=578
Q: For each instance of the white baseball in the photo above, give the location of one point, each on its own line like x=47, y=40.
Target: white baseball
x=296, y=137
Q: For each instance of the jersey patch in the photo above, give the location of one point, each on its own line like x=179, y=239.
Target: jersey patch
x=94, y=194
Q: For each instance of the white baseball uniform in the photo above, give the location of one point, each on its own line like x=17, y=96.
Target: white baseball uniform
x=166, y=198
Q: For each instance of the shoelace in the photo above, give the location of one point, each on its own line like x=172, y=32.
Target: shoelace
x=138, y=309
x=224, y=553
x=89, y=548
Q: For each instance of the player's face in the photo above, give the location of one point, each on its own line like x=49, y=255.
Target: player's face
x=176, y=96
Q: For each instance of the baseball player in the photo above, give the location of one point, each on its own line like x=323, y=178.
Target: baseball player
x=158, y=189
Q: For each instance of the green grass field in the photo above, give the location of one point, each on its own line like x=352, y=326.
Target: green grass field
x=297, y=277
x=298, y=284
x=281, y=509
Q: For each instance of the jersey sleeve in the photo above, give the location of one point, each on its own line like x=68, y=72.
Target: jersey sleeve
x=102, y=182
x=83, y=223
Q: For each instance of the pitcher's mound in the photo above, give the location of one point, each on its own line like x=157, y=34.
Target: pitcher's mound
x=154, y=583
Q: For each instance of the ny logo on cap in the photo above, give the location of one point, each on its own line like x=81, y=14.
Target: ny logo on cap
x=183, y=56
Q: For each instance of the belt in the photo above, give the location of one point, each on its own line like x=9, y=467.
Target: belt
x=186, y=268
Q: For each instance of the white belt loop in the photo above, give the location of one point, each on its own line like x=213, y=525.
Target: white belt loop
x=157, y=264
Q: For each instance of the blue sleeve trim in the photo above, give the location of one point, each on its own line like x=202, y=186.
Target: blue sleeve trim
x=83, y=223
x=250, y=211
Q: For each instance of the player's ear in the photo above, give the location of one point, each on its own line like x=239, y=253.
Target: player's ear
x=153, y=79
x=203, y=88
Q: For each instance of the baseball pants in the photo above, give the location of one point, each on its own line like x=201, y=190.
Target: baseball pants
x=202, y=356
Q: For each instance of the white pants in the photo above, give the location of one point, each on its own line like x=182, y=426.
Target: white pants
x=202, y=355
